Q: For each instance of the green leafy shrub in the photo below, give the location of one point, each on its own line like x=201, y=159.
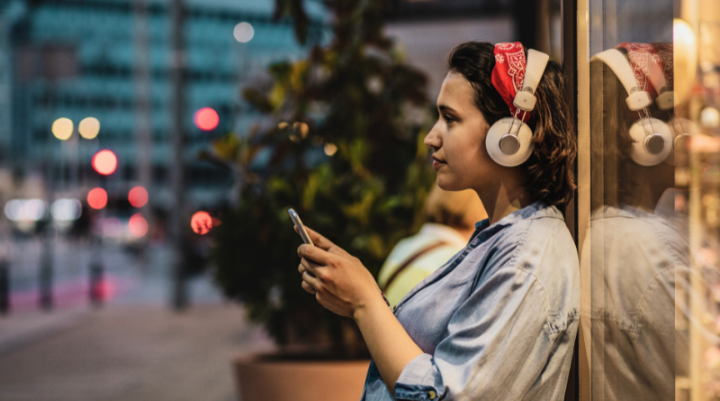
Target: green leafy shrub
x=344, y=152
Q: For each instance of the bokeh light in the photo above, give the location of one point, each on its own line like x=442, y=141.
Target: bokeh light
x=301, y=128
x=710, y=117
x=89, y=128
x=138, y=197
x=137, y=225
x=104, y=162
x=243, y=32
x=201, y=223
x=207, y=119
x=97, y=198
x=25, y=209
x=66, y=209
x=330, y=149
x=62, y=128
x=105, y=289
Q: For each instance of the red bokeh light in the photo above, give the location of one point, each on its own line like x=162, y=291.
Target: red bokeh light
x=207, y=119
x=105, y=162
x=137, y=225
x=97, y=198
x=201, y=223
x=138, y=197
x=104, y=290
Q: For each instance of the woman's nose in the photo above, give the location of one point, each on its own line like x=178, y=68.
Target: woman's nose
x=432, y=140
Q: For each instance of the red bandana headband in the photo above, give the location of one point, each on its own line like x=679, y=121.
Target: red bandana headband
x=509, y=73
x=653, y=63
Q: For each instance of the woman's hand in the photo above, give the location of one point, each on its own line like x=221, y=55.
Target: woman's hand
x=339, y=280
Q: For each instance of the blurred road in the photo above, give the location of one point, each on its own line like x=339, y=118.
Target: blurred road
x=132, y=352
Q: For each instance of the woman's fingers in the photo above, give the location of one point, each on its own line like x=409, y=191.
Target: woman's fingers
x=309, y=266
x=305, y=286
x=310, y=280
x=315, y=254
x=319, y=241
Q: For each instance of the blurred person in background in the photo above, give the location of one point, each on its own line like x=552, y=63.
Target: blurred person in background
x=450, y=221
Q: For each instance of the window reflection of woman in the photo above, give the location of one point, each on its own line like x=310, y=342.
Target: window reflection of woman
x=637, y=249
x=499, y=320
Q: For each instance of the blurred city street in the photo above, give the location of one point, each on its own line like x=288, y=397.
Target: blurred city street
x=131, y=347
x=131, y=353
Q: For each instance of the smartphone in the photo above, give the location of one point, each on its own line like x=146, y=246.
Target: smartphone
x=296, y=219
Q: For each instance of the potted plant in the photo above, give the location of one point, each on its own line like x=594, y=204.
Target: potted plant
x=338, y=144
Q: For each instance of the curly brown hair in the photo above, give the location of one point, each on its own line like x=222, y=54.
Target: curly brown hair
x=550, y=168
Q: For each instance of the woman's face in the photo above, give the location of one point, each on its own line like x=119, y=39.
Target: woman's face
x=458, y=139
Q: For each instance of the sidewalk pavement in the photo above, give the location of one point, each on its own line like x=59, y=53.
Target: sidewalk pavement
x=126, y=352
x=20, y=329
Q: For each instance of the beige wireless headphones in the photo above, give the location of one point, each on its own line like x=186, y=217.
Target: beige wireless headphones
x=652, y=138
x=509, y=140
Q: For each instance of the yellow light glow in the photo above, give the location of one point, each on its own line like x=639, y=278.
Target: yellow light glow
x=683, y=34
x=62, y=128
x=302, y=128
x=685, y=55
x=330, y=149
x=89, y=128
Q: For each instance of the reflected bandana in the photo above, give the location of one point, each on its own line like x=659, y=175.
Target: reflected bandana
x=509, y=73
x=665, y=51
x=649, y=64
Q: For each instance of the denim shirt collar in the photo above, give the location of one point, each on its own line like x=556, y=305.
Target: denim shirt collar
x=483, y=232
x=537, y=209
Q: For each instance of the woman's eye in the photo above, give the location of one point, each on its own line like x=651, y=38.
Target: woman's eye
x=448, y=118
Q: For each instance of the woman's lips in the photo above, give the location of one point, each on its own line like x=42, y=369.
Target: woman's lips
x=437, y=163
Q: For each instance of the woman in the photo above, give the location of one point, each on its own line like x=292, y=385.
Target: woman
x=499, y=320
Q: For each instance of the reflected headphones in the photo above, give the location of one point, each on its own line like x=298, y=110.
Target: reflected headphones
x=509, y=140
x=652, y=139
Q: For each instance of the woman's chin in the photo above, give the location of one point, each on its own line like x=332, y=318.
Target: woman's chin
x=447, y=184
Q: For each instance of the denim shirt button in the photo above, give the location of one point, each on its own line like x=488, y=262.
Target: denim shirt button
x=431, y=394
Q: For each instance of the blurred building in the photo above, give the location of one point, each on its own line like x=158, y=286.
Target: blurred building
x=428, y=30
x=80, y=58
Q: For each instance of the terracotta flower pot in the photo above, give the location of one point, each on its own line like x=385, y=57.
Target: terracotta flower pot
x=271, y=378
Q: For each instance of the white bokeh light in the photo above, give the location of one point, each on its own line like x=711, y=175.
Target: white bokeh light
x=243, y=32
x=25, y=209
x=710, y=117
x=66, y=209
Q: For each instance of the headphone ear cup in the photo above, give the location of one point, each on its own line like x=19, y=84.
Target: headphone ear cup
x=647, y=150
x=496, y=133
x=681, y=130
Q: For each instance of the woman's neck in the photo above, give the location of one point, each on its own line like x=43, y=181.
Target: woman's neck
x=507, y=195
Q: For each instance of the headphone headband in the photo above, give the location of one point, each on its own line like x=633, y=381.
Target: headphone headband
x=516, y=79
x=638, y=99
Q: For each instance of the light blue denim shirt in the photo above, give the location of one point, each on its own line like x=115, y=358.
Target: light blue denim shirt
x=498, y=321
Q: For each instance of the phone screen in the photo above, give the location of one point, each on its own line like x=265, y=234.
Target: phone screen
x=296, y=219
